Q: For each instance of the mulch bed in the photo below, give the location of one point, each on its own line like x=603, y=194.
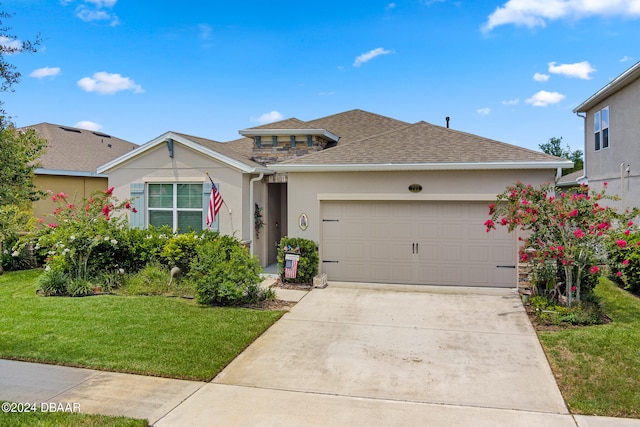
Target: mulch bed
x=549, y=327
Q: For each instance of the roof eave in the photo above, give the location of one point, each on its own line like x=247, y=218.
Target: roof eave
x=375, y=167
x=287, y=132
x=188, y=143
x=62, y=172
x=612, y=87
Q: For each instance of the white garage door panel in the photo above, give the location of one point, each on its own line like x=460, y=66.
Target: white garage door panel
x=443, y=243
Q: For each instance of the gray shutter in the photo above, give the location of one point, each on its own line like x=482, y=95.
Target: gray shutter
x=136, y=220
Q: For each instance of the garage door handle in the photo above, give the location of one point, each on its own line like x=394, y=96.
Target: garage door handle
x=417, y=248
x=413, y=248
x=330, y=261
x=505, y=266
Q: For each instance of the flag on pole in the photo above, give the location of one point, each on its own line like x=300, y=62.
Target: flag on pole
x=215, y=203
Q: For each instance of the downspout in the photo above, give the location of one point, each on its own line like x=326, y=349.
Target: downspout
x=251, y=203
x=584, y=161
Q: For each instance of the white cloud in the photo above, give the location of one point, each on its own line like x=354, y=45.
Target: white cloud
x=205, y=31
x=626, y=59
x=368, y=56
x=45, y=72
x=484, y=111
x=581, y=70
x=544, y=98
x=273, y=116
x=95, y=10
x=10, y=45
x=536, y=13
x=539, y=77
x=511, y=102
x=85, y=124
x=107, y=83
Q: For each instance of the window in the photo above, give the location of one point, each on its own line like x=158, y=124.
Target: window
x=177, y=205
x=601, y=128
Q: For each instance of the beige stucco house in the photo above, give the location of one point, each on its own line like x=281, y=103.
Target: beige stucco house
x=612, y=137
x=387, y=201
x=70, y=162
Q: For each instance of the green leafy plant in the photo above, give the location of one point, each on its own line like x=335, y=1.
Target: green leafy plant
x=53, y=282
x=568, y=229
x=224, y=273
x=180, y=249
x=309, y=258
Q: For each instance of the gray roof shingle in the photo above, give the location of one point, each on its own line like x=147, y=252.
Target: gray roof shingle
x=422, y=142
x=78, y=150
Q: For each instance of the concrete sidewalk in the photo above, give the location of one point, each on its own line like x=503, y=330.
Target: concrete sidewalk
x=347, y=355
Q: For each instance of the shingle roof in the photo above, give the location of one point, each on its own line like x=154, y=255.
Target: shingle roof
x=355, y=125
x=239, y=150
x=421, y=142
x=78, y=150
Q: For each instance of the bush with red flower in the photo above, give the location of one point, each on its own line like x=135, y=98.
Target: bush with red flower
x=624, y=260
x=82, y=239
x=566, y=232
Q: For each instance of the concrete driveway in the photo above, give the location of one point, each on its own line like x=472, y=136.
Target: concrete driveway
x=358, y=354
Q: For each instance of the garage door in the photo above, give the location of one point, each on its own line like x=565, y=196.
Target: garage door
x=440, y=243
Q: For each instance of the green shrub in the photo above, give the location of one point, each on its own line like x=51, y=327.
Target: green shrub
x=79, y=287
x=53, y=282
x=180, y=249
x=143, y=246
x=624, y=262
x=586, y=312
x=224, y=273
x=309, y=258
x=151, y=280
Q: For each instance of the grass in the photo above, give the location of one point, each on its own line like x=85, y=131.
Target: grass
x=66, y=419
x=598, y=367
x=159, y=336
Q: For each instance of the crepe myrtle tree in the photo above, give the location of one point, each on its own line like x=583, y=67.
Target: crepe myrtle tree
x=567, y=229
x=83, y=237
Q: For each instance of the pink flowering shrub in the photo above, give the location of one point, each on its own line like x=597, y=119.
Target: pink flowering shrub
x=84, y=239
x=566, y=232
x=624, y=261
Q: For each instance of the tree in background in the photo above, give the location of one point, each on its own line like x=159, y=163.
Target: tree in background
x=19, y=152
x=554, y=148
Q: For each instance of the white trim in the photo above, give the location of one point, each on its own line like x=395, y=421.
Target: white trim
x=187, y=143
x=419, y=166
x=62, y=172
x=169, y=180
x=469, y=197
x=615, y=85
x=289, y=132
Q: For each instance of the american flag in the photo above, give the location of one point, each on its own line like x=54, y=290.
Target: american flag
x=215, y=203
x=291, y=266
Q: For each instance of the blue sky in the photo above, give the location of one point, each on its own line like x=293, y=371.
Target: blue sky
x=508, y=70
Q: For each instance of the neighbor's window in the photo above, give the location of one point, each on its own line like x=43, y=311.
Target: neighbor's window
x=176, y=205
x=601, y=128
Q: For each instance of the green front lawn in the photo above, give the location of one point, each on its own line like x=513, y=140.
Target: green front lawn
x=598, y=367
x=168, y=337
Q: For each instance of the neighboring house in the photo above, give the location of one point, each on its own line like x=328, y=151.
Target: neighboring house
x=387, y=201
x=70, y=162
x=612, y=137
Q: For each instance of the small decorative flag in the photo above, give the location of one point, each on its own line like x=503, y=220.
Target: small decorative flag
x=215, y=203
x=291, y=266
